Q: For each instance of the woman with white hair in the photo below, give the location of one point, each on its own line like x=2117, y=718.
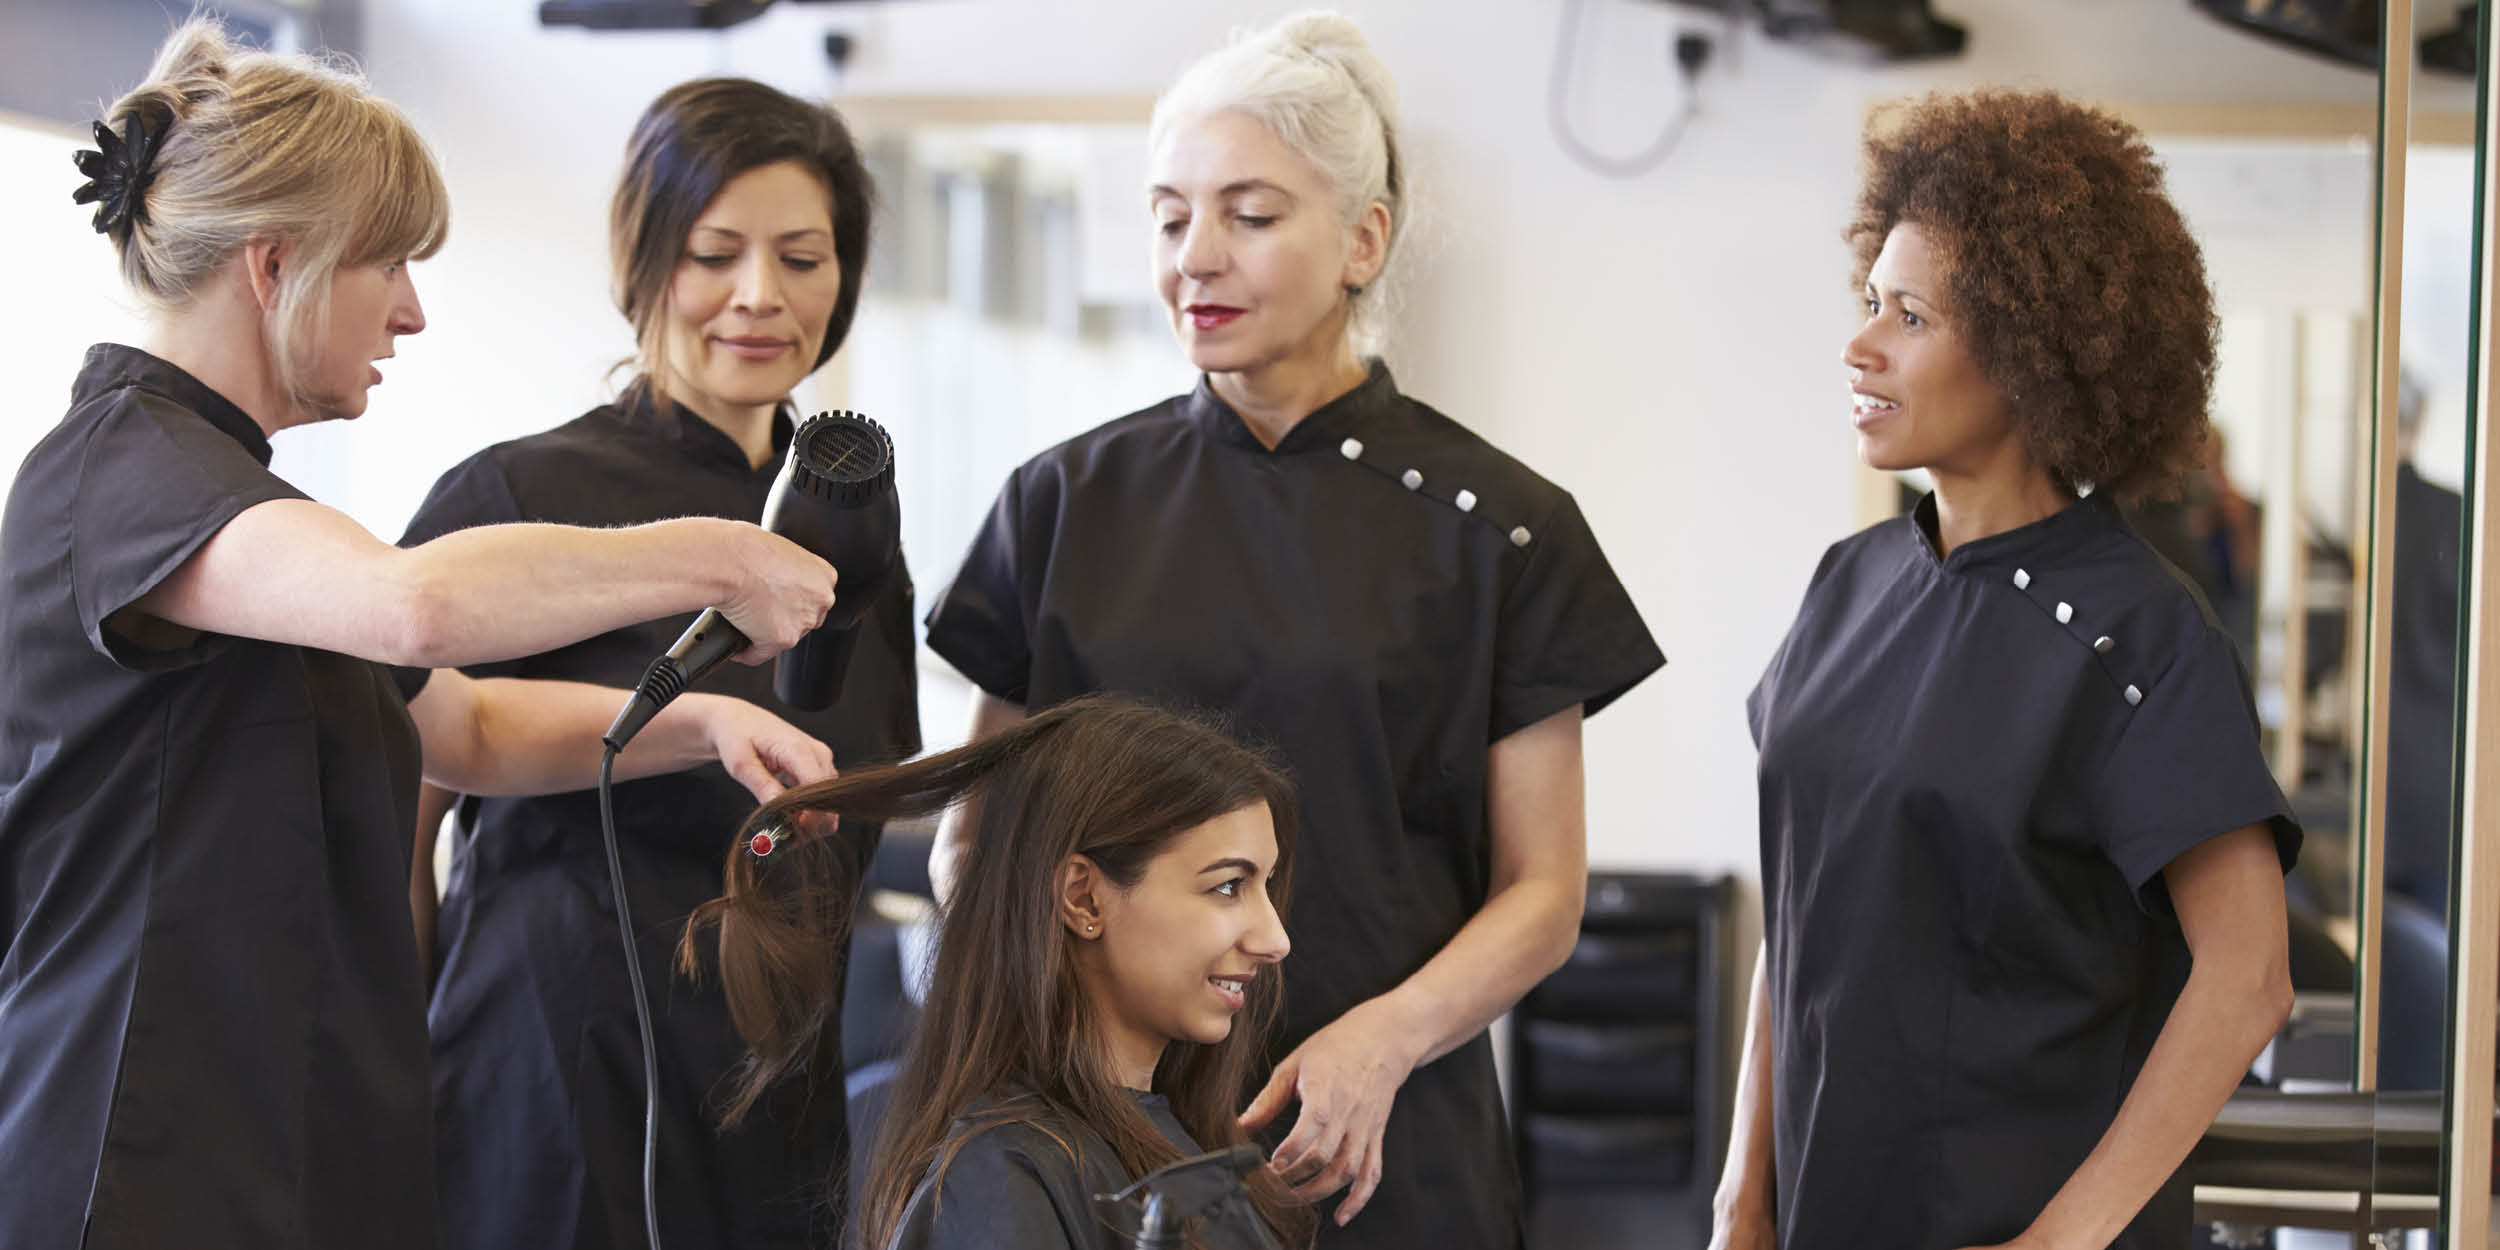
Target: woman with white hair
x=218, y=697
x=1415, y=621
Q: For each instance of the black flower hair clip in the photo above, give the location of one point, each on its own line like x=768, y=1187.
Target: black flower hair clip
x=120, y=167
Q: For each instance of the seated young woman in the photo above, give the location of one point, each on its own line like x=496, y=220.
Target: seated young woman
x=1105, y=974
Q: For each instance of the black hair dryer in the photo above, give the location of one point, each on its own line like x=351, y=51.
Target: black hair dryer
x=835, y=497
x=1162, y=1204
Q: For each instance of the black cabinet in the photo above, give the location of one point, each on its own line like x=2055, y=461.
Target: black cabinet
x=1618, y=1066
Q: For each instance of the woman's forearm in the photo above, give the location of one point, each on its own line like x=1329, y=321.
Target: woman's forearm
x=293, y=571
x=1522, y=933
x=2228, y=895
x=2215, y=1030
x=1537, y=809
x=1745, y=1182
x=523, y=736
x=497, y=591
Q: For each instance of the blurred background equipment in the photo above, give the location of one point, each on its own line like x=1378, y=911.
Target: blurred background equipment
x=653, y=14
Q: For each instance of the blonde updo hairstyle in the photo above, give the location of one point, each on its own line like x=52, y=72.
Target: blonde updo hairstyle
x=1314, y=82
x=263, y=145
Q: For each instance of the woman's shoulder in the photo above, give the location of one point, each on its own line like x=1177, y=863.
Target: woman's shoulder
x=1014, y=1123
x=588, y=434
x=1012, y=1172
x=529, y=478
x=2140, y=601
x=140, y=426
x=108, y=401
x=1433, y=440
x=1129, y=437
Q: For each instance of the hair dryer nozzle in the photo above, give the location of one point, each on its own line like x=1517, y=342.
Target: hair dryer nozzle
x=843, y=457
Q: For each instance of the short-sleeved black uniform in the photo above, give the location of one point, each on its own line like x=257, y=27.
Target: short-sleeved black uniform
x=538, y=1070
x=1015, y=1185
x=210, y=1028
x=1973, y=771
x=1379, y=598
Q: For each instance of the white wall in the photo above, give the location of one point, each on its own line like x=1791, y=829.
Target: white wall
x=69, y=289
x=2438, y=301
x=1665, y=346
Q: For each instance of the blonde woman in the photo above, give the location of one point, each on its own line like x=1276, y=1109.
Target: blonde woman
x=217, y=701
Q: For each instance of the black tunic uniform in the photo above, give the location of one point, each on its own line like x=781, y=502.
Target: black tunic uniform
x=1973, y=771
x=1380, y=598
x=538, y=1076
x=1016, y=1186
x=209, y=1000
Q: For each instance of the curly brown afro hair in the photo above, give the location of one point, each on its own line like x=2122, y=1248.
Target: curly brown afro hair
x=2076, y=286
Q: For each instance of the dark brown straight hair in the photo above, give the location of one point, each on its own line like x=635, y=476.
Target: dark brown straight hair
x=1106, y=777
x=694, y=140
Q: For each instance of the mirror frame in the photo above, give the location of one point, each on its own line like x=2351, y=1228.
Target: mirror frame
x=2474, y=990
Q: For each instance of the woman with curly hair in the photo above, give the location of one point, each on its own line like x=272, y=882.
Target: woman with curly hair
x=2023, y=909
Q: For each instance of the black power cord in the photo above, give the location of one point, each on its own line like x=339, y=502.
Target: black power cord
x=1691, y=50
x=642, y=1004
x=834, y=497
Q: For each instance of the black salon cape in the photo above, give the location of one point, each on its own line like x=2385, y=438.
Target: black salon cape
x=538, y=1076
x=209, y=999
x=1973, y=771
x=1016, y=1186
x=1335, y=601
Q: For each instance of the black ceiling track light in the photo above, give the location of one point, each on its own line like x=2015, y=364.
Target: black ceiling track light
x=2346, y=31
x=1864, y=30
x=1854, y=30
x=2456, y=50
x=652, y=14
x=2339, y=30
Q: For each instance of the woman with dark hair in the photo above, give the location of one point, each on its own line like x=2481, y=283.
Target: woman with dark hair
x=2022, y=860
x=220, y=695
x=1104, y=980
x=738, y=234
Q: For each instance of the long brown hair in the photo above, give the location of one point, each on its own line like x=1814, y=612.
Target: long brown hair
x=1106, y=777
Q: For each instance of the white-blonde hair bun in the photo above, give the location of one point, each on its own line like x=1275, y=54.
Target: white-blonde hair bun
x=1313, y=80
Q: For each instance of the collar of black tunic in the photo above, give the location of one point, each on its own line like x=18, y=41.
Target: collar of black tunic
x=697, y=439
x=111, y=366
x=2070, y=529
x=1347, y=414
